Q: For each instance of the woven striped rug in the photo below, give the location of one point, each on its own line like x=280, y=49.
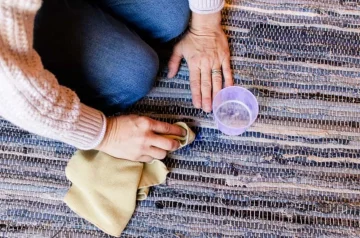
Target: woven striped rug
x=294, y=173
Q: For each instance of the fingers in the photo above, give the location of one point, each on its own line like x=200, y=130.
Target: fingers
x=206, y=87
x=164, y=143
x=166, y=128
x=157, y=153
x=216, y=80
x=174, y=62
x=151, y=154
x=195, y=85
x=158, y=148
x=145, y=158
x=226, y=67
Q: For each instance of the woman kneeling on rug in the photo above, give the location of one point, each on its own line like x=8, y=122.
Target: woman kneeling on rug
x=99, y=51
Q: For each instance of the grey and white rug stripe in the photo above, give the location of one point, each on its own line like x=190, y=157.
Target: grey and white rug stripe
x=295, y=173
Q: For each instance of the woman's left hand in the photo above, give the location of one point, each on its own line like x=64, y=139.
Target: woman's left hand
x=206, y=50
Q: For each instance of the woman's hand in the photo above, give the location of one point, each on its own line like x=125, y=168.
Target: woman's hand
x=205, y=48
x=138, y=138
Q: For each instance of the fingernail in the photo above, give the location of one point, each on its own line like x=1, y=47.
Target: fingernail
x=179, y=145
x=184, y=133
x=169, y=74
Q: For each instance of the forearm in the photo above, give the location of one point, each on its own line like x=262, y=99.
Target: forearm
x=206, y=6
x=206, y=23
x=30, y=96
x=49, y=110
x=204, y=18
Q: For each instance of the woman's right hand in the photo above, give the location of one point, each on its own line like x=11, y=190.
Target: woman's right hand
x=138, y=138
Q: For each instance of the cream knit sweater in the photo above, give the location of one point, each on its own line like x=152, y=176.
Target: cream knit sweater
x=30, y=96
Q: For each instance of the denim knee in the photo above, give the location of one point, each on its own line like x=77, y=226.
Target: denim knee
x=158, y=21
x=139, y=79
x=178, y=24
x=143, y=80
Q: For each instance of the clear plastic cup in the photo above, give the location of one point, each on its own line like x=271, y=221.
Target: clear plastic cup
x=235, y=110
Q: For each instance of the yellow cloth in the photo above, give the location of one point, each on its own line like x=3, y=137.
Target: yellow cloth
x=105, y=189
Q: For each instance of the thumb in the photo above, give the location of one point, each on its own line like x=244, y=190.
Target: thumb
x=174, y=62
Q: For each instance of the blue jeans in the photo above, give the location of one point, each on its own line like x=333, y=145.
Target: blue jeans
x=100, y=48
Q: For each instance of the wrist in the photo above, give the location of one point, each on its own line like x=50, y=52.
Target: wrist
x=205, y=22
x=104, y=134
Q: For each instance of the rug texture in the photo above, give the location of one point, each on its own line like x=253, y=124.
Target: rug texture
x=295, y=173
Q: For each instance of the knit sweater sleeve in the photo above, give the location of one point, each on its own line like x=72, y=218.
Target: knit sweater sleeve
x=206, y=6
x=30, y=96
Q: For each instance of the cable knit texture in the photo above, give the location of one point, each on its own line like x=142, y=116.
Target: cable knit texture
x=30, y=96
x=206, y=6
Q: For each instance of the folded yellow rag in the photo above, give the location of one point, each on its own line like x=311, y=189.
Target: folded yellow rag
x=104, y=189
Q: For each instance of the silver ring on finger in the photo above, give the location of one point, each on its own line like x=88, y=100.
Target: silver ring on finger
x=216, y=71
